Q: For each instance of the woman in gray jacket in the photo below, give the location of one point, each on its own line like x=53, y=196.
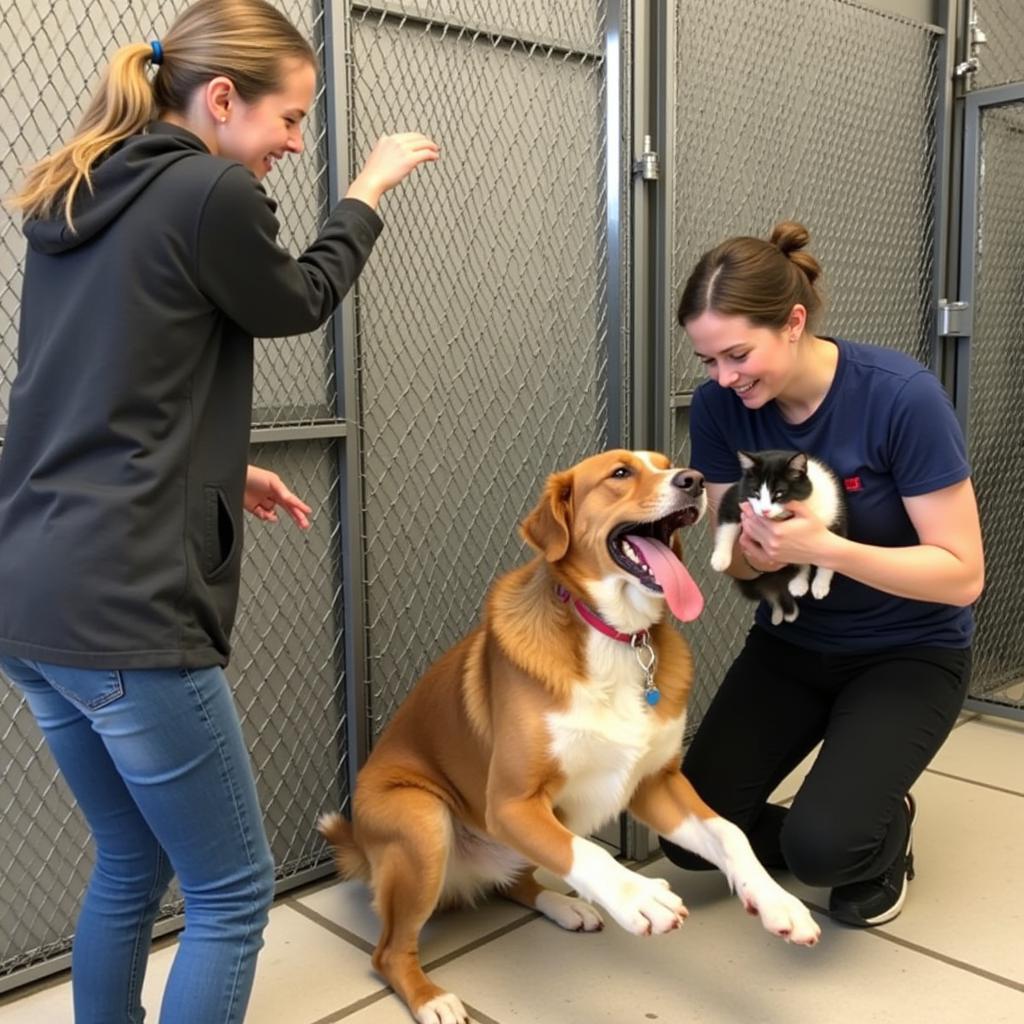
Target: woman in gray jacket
x=152, y=263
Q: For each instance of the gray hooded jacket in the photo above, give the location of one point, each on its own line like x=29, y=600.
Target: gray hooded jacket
x=123, y=468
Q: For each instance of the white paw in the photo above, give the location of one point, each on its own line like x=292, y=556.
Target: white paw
x=820, y=587
x=443, y=1009
x=720, y=561
x=568, y=912
x=645, y=906
x=782, y=914
x=776, y=615
x=798, y=586
x=791, y=616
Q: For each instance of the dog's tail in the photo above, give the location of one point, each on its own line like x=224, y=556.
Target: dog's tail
x=348, y=855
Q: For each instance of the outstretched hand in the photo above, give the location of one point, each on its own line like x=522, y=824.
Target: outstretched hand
x=266, y=491
x=392, y=159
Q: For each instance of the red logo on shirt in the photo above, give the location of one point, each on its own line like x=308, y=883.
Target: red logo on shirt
x=852, y=483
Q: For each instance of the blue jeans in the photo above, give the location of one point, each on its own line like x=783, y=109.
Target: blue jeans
x=155, y=759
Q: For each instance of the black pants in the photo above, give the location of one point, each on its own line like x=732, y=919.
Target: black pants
x=882, y=716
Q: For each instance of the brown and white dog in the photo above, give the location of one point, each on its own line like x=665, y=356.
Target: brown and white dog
x=563, y=708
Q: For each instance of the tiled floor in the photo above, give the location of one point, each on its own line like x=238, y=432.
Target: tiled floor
x=955, y=955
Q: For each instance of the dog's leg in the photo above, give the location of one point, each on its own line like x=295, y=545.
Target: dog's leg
x=642, y=905
x=566, y=911
x=406, y=836
x=670, y=805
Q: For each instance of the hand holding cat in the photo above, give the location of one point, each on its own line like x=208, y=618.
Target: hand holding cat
x=802, y=539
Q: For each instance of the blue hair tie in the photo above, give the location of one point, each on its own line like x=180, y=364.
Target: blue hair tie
x=158, y=53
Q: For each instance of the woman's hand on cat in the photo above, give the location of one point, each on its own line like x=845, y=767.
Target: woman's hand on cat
x=801, y=540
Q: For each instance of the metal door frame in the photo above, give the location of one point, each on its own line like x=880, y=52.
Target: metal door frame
x=974, y=105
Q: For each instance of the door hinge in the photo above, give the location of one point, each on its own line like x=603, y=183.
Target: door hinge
x=954, y=319
x=648, y=167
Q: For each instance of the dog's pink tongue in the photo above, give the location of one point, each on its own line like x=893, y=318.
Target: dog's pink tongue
x=683, y=595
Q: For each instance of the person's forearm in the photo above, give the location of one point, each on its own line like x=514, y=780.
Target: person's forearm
x=924, y=572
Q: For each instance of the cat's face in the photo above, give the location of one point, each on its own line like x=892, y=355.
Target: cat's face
x=772, y=478
x=756, y=363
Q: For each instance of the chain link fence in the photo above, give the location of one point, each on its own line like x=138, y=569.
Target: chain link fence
x=287, y=670
x=483, y=335
x=995, y=429
x=812, y=110
x=482, y=365
x=1001, y=56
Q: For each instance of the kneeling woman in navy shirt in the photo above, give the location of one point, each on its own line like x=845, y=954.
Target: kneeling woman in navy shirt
x=877, y=670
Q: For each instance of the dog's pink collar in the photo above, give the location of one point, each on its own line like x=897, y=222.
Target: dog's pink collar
x=593, y=619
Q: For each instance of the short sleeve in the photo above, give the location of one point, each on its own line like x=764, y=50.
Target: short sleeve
x=710, y=450
x=926, y=445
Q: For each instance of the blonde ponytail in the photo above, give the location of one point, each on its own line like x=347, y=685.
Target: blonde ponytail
x=122, y=105
x=244, y=40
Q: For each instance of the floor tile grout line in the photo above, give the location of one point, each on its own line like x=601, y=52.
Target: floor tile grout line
x=470, y=947
x=975, y=782
x=332, y=926
x=360, y=943
x=932, y=954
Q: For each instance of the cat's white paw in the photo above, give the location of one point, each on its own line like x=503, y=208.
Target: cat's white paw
x=798, y=585
x=720, y=561
x=791, y=616
x=776, y=614
x=821, y=586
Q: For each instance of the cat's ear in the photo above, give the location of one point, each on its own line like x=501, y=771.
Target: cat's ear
x=747, y=461
x=798, y=463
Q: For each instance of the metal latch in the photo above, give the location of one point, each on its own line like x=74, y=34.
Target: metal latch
x=954, y=319
x=647, y=167
x=976, y=37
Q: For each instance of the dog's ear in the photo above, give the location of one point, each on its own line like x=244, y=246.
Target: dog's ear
x=547, y=528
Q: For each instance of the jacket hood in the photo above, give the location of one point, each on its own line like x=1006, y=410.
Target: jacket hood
x=117, y=181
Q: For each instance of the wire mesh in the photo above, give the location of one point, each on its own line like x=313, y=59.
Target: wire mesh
x=818, y=111
x=997, y=379
x=482, y=328
x=1001, y=56
x=287, y=669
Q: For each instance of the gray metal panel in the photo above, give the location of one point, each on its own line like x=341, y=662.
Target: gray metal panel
x=819, y=111
x=294, y=377
x=995, y=426
x=481, y=317
x=1001, y=56
x=287, y=668
x=838, y=135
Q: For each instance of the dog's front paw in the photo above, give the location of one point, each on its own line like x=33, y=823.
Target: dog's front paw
x=567, y=912
x=646, y=906
x=446, y=1008
x=782, y=914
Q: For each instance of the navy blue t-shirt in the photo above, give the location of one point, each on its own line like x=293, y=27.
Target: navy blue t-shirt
x=889, y=431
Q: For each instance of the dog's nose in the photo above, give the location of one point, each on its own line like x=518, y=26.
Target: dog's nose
x=690, y=481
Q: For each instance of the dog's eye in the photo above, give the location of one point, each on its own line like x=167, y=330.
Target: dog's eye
x=621, y=473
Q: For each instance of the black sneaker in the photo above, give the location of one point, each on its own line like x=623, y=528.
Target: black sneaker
x=878, y=900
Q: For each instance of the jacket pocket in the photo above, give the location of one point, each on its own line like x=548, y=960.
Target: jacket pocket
x=220, y=535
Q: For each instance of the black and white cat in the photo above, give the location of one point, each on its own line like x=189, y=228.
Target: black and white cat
x=771, y=479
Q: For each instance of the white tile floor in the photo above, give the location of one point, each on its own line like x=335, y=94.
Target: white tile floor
x=955, y=955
